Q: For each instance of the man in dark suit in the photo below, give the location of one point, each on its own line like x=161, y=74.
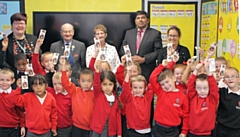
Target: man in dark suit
x=144, y=43
x=76, y=52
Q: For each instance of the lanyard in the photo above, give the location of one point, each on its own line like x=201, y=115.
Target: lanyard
x=24, y=47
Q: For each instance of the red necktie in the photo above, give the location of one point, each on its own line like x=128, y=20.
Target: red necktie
x=139, y=39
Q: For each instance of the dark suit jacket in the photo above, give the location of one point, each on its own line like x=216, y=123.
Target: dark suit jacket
x=77, y=51
x=184, y=54
x=150, y=45
x=9, y=57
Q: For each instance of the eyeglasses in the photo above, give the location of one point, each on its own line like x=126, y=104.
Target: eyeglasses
x=99, y=34
x=172, y=36
x=230, y=77
x=19, y=23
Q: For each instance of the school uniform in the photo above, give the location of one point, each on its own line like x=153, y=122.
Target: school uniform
x=172, y=107
x=228, y=116
x=11, y=116
x=64, y=110
x=41, y=113
x=137, y=111
x=82, y=107
x=106, y=112
x=181, y=86
x=202, y=110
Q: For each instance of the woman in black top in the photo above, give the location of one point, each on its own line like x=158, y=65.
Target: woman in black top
x=174, y=35
x=17, y=42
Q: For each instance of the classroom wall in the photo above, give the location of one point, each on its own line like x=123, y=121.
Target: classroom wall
x=79, y=6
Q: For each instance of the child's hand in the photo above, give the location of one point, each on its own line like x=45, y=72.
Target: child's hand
x=123, y=59
x=39, y=42
x=175, y=56
x=62, y=60
x=164, y=62
x=98, y=65
x=206, y=64
x=54, y=132
x=19, y=82
x=190, y=62
x=182, y=135
x=22, y=131
x=210, y=52
x=4, y=44
x=198, y=66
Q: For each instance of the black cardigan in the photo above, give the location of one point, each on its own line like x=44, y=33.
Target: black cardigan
x=184, y=54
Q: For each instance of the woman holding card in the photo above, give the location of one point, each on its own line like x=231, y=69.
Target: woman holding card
x=18, y=41
x=107, y=52
x=174, y=47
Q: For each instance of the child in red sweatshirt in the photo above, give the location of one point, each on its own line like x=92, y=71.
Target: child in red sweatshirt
x=40, y=107
x=172, y=104
x=64, y=106
x=106, y=120
x=203, y=97
x=137, y=100
x=82, y=99
x=10, y=114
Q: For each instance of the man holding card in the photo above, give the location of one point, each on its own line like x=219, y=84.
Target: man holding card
x=144, y=43
x=17, y=42
x=73, y=50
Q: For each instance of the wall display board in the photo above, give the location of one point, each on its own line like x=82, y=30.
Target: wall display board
x=208, y=24
x=182, y=15
x=228, y=32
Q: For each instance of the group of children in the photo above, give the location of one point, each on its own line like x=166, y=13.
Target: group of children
x=189, y=101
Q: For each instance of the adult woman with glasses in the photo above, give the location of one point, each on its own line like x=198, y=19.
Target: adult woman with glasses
x=174, y=35
x=17, y=42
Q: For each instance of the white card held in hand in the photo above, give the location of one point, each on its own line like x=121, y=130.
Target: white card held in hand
x=213, y=46
x=194, y=58
x=24, y=82
x=212, y=66
x=128, y=55
x=55, y=58
x=96, y=41
x=42, y=34
x=169, y=58
x=222, y=70
x=67, y=51
x=30, y=70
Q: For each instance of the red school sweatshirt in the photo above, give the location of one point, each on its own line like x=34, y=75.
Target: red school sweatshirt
x=11, y=115
x=40, y=118
x=103, y=111
x=37, y=68
x=64, y=108
x=82, y=103
x=137, y=108
x=171, y=107
x=202, y=115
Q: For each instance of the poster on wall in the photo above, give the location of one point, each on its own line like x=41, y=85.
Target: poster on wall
x=228, y=32
x=163, y=16
x=208, y=24
x=5, y=14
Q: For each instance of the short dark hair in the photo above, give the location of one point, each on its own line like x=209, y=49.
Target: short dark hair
x=19, y=17
x=40, y=79
x=86, y=71
x=141, y=12
x=175, y=28
x=164, y=74
x=202, y=77
x=19, y=56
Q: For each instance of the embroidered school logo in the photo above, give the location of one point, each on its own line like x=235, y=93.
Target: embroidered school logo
x=177, y=103
x=238, y=106
x=204, y=106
